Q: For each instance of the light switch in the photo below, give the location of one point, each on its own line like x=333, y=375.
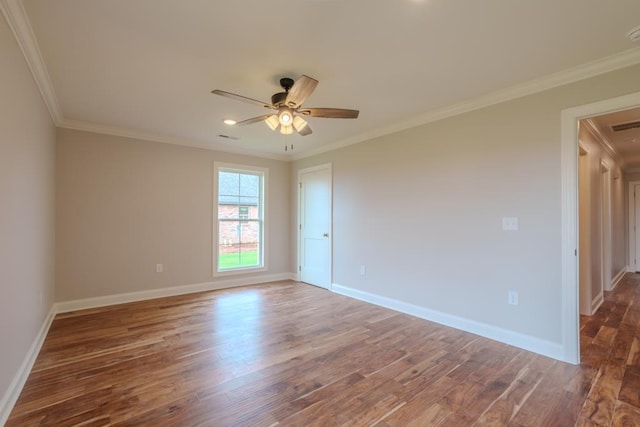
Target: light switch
x=510, y=223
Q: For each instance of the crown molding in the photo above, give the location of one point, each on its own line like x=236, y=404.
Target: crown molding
x=154, y=137
x=18, y=21
x=590, y=69
x=16, y=17
x=593, y=128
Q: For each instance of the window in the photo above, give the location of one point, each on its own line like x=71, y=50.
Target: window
x=239, y=195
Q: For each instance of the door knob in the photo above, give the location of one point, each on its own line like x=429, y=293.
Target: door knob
x=325, y=235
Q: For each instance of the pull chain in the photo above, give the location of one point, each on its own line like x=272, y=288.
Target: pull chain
x=287, y=147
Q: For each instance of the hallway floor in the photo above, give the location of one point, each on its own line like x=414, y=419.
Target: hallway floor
x=610, y=350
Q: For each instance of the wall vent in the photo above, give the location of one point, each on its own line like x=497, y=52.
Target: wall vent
x=625, y=126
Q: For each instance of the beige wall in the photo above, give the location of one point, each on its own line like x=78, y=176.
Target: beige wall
x=455, y=179
x=27, y=158
x=125, y=205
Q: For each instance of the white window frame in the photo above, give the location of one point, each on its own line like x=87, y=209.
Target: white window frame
x=263, y=173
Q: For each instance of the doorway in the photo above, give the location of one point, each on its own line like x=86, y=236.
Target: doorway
x=570, y=214
x=315, y=200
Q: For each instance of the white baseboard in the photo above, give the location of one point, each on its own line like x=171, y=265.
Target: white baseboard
x=618, y=277
x=82, y=304
x=597, y=302
x=15, y=388
x=526, y=342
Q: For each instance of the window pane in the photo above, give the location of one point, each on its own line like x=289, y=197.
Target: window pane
x=239, y=244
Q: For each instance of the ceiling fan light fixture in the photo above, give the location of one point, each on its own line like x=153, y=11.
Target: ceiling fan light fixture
x=285, y=117
x=299, y=123
x=229, y=122
x=286, y=130
x=272, y=121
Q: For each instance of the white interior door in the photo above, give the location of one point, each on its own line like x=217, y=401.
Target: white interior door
x=315, y=198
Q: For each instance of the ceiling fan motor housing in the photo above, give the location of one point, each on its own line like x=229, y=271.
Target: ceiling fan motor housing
x=278, y=98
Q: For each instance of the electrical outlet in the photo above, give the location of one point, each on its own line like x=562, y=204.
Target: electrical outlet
x=512, y=298
x=363, y=270
x=159, y=268
x=510, y=223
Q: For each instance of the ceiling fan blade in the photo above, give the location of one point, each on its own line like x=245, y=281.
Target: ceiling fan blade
x=302, y=88
x=305, y=131
x=243, y=98
x=253, y=120
x=330, y=113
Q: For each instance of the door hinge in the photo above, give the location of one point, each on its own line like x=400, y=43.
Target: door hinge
x=300, y=184
x=300, y=226
x=575, y=252
x=299, y=268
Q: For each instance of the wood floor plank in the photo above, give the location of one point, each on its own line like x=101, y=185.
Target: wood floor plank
x=289, y=354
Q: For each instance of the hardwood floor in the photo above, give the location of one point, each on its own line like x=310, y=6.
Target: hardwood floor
x=289, y=354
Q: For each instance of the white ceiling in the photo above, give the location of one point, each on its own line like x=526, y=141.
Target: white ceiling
x=146, y=67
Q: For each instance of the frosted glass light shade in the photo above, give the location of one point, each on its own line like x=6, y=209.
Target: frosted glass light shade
x=286, y=130
x=299, y=123
x=272, y=122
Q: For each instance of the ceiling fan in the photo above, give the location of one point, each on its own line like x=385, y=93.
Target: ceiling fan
x=287, y=106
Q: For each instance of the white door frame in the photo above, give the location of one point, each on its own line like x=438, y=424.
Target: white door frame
x=584, y=236
x=632, y=222
x=569, y=194
x=605, y=221
x=324, y=166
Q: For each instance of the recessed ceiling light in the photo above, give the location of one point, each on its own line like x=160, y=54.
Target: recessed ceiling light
x=634, y=35
x=229, y=122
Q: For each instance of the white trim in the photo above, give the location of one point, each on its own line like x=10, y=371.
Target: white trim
x=618, y=277
x=597, y=302
x=165, y=139
x=15, y=388
x=323, y=166
x=569, y=235
x=631, y=223
x=82, y=304
x=526, y=342
x=605, y=226
x=21, y=28
x=585, y=278
x=264, y=186
x=592, y=128
x=569, y=196
x=604, y=65
x=18, y=21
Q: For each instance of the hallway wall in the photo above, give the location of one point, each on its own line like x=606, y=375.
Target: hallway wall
x=596, y=156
